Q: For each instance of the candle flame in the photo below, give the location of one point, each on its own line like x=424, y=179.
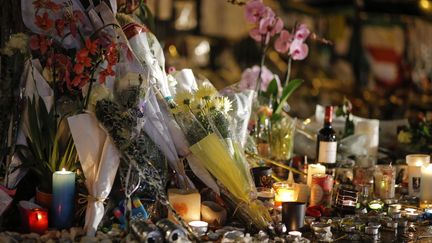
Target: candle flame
x=38, y=216
x=63, y=170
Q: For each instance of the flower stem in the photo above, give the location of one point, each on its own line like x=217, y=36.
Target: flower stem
x=288, y=72
x=263, y=51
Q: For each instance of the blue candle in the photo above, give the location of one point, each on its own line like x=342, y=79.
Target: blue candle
x=63, y=198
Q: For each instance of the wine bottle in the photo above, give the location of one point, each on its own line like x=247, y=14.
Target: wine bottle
x=326, y=142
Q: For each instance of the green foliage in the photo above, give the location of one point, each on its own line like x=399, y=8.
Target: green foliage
x=44, y=154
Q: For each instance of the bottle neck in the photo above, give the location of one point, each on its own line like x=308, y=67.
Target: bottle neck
x=328, y=117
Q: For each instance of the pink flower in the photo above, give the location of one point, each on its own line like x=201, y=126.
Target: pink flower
x=283, y=43
x=298, y=50
x=302, y=33
x=270, y=25
x=255, y=34
x=254, y=10
x=250, y=77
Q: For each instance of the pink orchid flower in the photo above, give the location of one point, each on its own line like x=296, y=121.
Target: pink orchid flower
x=254, y=10
x=270, y=25
x=283, y=42
x=298, y=50
x=250, y=76
x=302, y=33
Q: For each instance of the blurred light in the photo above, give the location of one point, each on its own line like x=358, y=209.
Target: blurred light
x=425, y=5
x=307, y=121
x=173, y=51
x=202, y=48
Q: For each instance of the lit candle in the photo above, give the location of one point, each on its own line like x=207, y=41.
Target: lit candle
x=415, y=162
x=38, y=220
x=187, y=203
x=385, y=180
x=34, y=219
x=63, y=198
x=284, y=192
x=314, y=169
x=425, y=186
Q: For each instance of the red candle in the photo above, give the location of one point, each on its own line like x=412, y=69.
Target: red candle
x=38, y=220
x=33, y=217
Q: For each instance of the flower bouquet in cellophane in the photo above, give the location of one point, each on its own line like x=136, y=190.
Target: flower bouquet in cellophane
x=203, y=116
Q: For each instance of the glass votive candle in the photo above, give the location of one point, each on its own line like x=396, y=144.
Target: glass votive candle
x=385, y=181
x=283, y=192
x=262, y=176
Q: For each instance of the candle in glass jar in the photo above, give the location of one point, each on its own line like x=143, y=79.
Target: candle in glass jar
x=38, y=220
x=284, y=192
x=385, y=180
x=415, y=162
x=63, y=198
x=314, y=169
x=187, y=203
x=425, y=186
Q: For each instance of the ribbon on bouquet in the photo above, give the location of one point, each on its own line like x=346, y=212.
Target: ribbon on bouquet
x=83, y=199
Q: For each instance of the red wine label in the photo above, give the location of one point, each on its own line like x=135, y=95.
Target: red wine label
x=327, y=152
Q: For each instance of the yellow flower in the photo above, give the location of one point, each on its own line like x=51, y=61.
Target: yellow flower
x=206, y=92
x=197, y=105
x=404, y=137
x=184, y=98
x=179, y=109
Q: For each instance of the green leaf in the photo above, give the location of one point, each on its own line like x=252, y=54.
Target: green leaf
x=272, y=89
x=286, y=93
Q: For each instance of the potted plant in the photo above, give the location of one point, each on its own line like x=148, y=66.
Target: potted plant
x=49, y=147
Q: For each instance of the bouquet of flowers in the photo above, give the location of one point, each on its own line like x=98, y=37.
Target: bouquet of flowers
x=203, y=116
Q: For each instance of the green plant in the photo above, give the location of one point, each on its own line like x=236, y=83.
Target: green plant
x=44, y=153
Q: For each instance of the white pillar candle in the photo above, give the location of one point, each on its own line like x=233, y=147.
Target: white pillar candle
x=370, y=128
x=187, y=203
x=426, y=184
x=415, y=162
x=314, y=169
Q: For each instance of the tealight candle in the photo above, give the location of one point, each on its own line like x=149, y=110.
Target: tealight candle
x=284, y=192
x=200, y=227
x=426, y=184
x=314, y=169
x=415, y=162
x=63, y=198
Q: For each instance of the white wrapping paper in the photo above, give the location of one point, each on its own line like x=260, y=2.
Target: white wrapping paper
x=185, y=81
x=99, y=160
x=158, y=131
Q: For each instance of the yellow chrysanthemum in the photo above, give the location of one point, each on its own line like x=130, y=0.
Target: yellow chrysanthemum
x=206, y=92
x=197, y=105
x=184, y=98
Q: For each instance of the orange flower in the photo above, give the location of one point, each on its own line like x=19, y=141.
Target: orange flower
x=44, y=22
x=46, y=4
x=92, y=47
x=83, y=58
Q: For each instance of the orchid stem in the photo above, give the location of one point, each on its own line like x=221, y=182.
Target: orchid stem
x=288, y=72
